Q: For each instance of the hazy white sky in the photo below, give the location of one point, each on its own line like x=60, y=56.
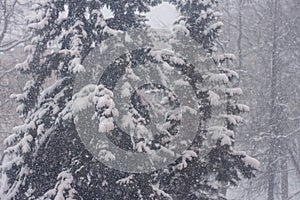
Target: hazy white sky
x=161, y=16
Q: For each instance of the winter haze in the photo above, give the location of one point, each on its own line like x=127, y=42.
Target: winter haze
x=154, y=100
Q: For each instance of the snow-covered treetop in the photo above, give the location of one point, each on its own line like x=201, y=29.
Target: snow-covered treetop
x=201, y=19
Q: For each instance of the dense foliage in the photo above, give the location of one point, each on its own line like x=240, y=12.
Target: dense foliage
x=45, y=158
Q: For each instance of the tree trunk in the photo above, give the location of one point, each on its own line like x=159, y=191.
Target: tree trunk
x=284, y=179
x=271, y=176
x=240, y=35
x=295, y=163
x=274, y=98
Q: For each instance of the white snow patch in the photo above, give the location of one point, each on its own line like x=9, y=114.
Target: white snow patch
x=249, y=161
x=125, y=181
x=243, y=108
x=213, y=98
x=234, y=91
x=218, y=78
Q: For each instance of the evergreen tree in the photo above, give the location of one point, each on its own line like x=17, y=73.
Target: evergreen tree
x=46, y=159
x=201, y=19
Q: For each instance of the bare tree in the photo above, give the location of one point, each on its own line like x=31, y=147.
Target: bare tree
x=12, y=24
x=12, y=36
x=265, y=38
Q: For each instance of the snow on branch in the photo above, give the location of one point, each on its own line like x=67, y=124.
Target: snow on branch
x=63, y=188
x=221, y=133
x=99, y=96
x=125, y=181
x=249, y=161
x=234, y=91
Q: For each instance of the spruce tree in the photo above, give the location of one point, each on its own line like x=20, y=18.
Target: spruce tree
x=46, y=159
